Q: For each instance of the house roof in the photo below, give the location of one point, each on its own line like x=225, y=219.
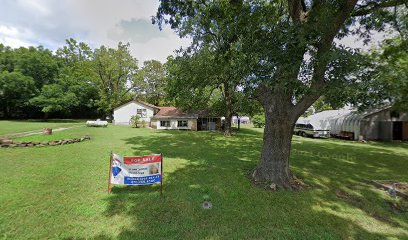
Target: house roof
x=138, y=101
x=173, y=112
x=206, y=113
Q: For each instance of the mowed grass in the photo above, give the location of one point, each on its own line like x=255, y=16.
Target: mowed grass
x=59, y=192
x=10, y=128
x=76, y=131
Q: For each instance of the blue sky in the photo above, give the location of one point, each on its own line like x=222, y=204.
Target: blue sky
x=96, y=22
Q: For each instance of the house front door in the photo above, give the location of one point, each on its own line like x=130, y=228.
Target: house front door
x=397, y=130
x=405, y=131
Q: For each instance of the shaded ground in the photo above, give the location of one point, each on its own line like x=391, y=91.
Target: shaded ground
x=67, y=185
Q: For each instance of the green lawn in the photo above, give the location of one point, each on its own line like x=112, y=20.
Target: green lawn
x=8, y=128
x=75, y=131
x=59, y=192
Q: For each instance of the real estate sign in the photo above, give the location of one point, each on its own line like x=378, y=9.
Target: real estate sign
x=139, y=170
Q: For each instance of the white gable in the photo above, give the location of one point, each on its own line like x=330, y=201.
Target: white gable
x=123, y=114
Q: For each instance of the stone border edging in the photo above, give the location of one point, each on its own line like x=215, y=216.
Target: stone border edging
x=9, y=143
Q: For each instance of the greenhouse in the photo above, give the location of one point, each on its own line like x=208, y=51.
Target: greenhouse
x=321, y=120
x=379, y=124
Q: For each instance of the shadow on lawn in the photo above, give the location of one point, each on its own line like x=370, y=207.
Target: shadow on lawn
x=217, y=167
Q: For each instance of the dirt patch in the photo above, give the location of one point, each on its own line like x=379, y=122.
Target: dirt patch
x=295, y=184
x=400, y=186
x=298, y=184
x=393, y=187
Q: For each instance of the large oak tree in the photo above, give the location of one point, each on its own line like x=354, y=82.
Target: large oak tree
x=290, y=52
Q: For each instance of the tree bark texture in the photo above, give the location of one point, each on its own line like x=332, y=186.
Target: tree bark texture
x=274, y=164
x=228, y=110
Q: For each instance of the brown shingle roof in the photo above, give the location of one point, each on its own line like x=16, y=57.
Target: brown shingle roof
x=173, y=112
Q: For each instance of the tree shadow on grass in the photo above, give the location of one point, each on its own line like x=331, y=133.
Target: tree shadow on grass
x=197, y=165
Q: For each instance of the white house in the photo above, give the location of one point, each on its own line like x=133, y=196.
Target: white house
x=174, y=118
x=165, y=117
x=123, y=113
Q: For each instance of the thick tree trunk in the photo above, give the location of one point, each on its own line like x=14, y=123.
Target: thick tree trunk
x=227, y=124
x=228, y=110
x=274, y=165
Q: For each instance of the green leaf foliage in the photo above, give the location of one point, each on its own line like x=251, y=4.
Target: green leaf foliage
x=55, y=98
x=15, y=92
x=115, y=69
x=149, y=83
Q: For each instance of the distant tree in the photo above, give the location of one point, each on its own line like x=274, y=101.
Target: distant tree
x=7, y=59
x=15, y=92
x=387, y=80
x=38, y=63
x=55, y=98
x=149, y=82
x=195, y=79
x=74, y=52
x=116, y=69
x=77, y=74
x=320, y=105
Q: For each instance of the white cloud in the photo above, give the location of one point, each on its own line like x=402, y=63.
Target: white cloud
x=13, y=37
x=34, y=6
x=96, y=22
x=136, y=30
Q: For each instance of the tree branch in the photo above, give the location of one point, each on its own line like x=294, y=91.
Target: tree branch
x=297, y=10
x=318, y=84
x=374, y=6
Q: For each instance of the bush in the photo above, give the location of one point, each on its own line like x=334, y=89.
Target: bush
x=143, y=123
x=134, y=121
x=258, y=121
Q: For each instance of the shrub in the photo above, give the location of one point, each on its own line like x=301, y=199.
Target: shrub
x=258, y=121
x=134, y=121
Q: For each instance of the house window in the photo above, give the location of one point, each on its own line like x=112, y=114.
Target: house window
x=164, y=123
x=182, y=123
x=141, y=112
x=395, y=114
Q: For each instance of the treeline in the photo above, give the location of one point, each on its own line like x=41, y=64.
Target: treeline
x=75, y=81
